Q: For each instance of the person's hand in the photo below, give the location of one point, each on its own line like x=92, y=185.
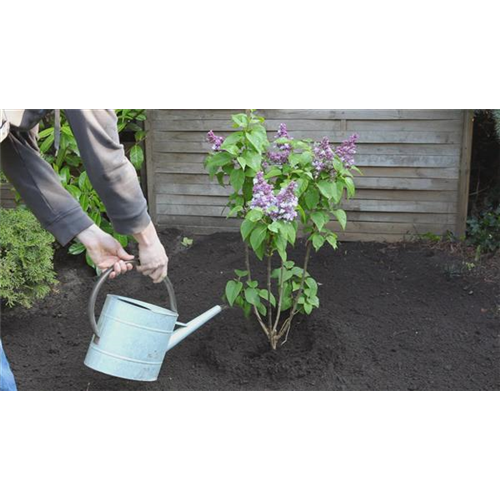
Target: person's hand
x=154, y=260
x=105, y=251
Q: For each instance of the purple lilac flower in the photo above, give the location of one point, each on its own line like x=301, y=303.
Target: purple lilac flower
x=286, y=203
x=347, y=150
x=279, y=207
x=263, y=196
x=323, y=155
x=280, y=157
x=215, y=140
x=282, y=132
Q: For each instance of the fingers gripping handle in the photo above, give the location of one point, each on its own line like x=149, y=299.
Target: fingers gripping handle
x=100, y=282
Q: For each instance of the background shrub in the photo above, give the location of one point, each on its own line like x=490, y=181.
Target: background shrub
x=26, y=258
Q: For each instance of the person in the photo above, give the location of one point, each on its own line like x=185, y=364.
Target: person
x=114, y=179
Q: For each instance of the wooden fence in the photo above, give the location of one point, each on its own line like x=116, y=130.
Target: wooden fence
x=416, y=166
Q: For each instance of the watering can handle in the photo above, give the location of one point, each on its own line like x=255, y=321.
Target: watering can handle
x=100, y=282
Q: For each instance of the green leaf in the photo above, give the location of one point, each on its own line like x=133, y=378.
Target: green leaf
x=328, y=189
x=332, y=240
x=262, y=309
x=234, y=211
x=311, y=198
x=255, y=215
x=96, y=217
x=303, y=217
x=121, y=238
x=288, y=231
x=274, y=172
x=64, y=175
x=258, y=236
x=240, y=274
x=246, y=228
x=90, y=262
x=233, y=289
x=281, y=247
x=75, y=192
x=83, y=182
x=308, y=308
x=314, y=301
x=237, y=178
x=257, y=138
x=318, y=241
x=46, y=144
x=260, y=251
x=312, y=285
x=252, y=159
x=76, y=248
x=351, y=188
x=274, y=227
x=84, y=202
x=320, y=219
x=264, y=294
x=341, y=216
x=218, y=160
x=232, y=140
x=240, y=120
x=137, y=156
x=303, y=184
x=252, y=296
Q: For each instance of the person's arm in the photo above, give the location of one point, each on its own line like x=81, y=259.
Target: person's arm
x=115, y=180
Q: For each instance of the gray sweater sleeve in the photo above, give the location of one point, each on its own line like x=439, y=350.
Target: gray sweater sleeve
x=111, y=174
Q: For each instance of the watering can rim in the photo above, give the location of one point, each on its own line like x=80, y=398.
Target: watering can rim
x=150, y=307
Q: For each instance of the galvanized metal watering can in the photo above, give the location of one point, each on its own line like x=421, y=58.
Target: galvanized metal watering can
x=132, y=337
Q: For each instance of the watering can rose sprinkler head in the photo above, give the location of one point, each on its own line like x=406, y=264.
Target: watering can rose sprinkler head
x=132, y=337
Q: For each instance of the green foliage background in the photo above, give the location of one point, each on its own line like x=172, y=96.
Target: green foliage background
x=26, y=258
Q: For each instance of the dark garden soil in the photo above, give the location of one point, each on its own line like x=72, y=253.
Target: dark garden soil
x=404, y=317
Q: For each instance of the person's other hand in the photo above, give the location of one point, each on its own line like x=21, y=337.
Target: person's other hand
x=105, y=251
x=154, y=260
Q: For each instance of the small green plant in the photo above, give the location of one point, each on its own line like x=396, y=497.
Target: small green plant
x=274, y=186
x=483, y=231
x=67, y=163
x=430, y=237
x=186, y=242
x=26, y=258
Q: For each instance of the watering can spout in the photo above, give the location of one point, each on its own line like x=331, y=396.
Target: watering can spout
x=181, y=333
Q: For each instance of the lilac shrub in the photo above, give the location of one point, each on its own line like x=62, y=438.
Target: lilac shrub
x=277, y=186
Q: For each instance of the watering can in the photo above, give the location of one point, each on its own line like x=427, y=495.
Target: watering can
x=132, y=337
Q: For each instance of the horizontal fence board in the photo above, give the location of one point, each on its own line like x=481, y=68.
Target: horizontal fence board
x=426, y=136
x=221, y=201
x=407, y=172
x=193, y=230
x=7, y=196
x=399, y=183
x=410, y=160
x=390, y=205
x=352, y=226
x=359, y=204
x=312, y=129
x=162, y=144
x=379, y=160
x=319, y=114
x=362, y=149
x=413, y=218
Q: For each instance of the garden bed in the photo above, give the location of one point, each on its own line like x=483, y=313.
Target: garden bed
x=403, y=317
